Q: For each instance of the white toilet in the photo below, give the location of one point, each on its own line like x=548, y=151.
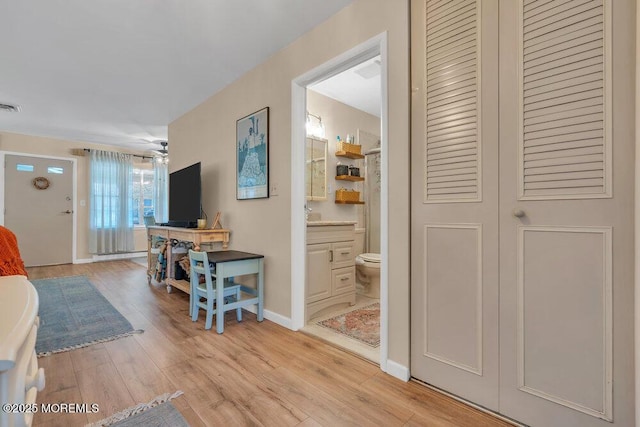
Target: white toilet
x=368, y=274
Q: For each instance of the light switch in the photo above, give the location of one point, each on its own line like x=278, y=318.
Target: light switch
x=273, y=191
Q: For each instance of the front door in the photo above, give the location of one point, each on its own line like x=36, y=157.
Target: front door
x=563, y=308
x=39, y=208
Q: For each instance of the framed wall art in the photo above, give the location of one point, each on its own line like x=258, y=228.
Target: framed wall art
x=252, y=156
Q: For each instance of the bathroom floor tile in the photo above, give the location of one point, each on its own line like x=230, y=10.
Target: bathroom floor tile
x=363, y=350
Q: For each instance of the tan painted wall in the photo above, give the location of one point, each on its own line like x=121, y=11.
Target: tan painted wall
x=207, y=133
x=340, y=119
x=26, y=144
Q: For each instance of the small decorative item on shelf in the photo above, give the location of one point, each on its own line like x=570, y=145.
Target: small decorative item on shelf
x=354, y=171
x=344, y=195
x=342, y=169
x=216, y=221
x=348, y=148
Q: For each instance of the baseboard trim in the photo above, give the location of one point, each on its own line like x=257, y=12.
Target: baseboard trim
x=111, y=257
x=273, y=316
x=285, y=322
x=398, y=371
x=98, y=258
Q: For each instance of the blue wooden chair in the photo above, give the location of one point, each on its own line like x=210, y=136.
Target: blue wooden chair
x=200, y=266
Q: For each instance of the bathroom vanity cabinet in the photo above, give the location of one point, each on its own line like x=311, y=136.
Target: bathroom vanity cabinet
x=330, y=265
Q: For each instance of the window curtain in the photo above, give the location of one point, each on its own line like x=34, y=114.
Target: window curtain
x=161, y=190
x=110, y=202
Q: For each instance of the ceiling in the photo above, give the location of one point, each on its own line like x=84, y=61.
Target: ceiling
x=118, y=72
x=358, y=87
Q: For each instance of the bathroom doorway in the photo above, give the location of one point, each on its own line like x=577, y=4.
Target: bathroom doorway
x=343, y=158
x=344, y=102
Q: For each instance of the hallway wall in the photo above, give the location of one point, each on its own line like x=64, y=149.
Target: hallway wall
x=207, y=134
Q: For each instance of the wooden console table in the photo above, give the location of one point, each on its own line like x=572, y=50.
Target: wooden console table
x=195, y=235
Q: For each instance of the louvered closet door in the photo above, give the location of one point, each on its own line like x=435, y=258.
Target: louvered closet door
x=522, y=206
x=566, y=165
x=454, y=296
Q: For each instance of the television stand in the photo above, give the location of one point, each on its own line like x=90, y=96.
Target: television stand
x=194, y=235
x=182, y=224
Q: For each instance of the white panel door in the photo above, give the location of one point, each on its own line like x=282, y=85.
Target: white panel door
x=42, y=219
x=522, y=242
x=566, y=212
x=454, y=268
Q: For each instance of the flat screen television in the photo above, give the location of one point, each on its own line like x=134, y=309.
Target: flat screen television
x=185, y=197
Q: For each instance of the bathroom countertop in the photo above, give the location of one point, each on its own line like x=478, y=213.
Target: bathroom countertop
x=328, y=222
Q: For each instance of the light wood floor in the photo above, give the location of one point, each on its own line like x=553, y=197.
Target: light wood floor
x=253, y=374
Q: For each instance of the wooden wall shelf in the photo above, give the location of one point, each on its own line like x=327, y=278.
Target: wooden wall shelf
x=349, y=178
x=342, y=202
x=349, y=155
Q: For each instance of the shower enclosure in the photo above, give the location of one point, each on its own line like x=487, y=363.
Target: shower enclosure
x=372, y=200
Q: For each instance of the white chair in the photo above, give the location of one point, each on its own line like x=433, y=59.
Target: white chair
x=200, y=266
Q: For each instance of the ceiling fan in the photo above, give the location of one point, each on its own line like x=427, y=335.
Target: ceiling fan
x=164, y=152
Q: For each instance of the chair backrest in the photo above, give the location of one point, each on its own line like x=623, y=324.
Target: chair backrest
x=199, y=262
x=200, y=265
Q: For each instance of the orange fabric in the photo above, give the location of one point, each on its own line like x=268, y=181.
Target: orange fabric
x=10, y=261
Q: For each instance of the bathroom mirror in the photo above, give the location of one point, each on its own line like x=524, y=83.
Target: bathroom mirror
x=316, y=169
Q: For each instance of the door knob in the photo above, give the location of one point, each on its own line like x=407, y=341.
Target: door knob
x=67, y=211
x=518, y=213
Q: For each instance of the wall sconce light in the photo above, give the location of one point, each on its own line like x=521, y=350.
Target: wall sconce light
x=315, y=129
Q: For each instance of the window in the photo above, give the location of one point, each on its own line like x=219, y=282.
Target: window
x=109, y=200
x=24, y=168
x=143, y=181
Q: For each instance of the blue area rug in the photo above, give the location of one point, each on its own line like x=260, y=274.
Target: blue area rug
x=158, y=413
x=74, y=314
